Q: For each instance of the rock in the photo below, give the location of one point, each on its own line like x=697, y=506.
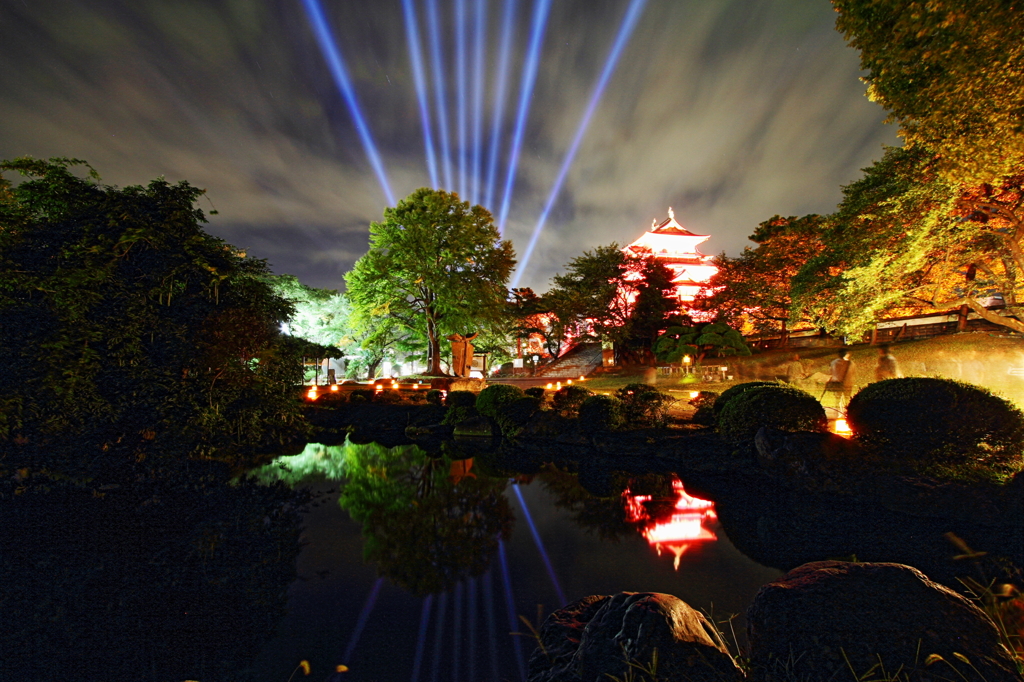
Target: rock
x=824, y=618
x=599, y=638
x=458, y=384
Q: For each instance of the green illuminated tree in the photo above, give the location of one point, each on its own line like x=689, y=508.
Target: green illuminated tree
x=951, y=74
x=436, y=266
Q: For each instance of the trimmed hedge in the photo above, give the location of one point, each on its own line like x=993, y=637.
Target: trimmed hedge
x=775, y=406
x=728, y=394
x=513, y=416
x=461, y=406
x=568, y=399
x=435, y=397
x=600, y=413
x=942, y=427
x=496, y=395
x=536, y=392
x=643, y=405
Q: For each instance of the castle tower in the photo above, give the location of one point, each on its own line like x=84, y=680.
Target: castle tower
x=676, y=247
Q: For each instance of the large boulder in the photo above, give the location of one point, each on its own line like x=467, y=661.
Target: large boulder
x=833, y=619
x=600, y=638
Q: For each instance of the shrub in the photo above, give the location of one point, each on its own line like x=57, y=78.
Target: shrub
x=940, y=426
x=776, y=406
x=536, y=392
x=435, y=397
x=513, y=416
x=705, y=404
x=600, y=413
x=643, y=405
x=733, y=391
x=360, y=395
x=496, y=395
x=461, y=399
x=389, y=396
x=567, y=400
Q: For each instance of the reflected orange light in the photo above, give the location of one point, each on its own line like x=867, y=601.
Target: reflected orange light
x=689, y=522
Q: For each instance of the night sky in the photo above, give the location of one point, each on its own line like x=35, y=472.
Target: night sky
x=730, y=111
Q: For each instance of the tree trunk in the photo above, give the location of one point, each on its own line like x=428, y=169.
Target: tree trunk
x=433, y=348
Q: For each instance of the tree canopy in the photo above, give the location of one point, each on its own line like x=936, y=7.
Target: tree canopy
x=752, y=291
x=436, y=266
x=950, y=72
x=123, y=321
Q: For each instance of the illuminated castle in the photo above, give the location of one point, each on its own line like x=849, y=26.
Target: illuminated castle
x=676, y=247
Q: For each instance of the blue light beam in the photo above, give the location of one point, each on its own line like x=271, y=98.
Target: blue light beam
x=439, y=77
x=540, y=547
x=412, y=32
x=478, y=97
x=501, y=78
x=492, y=637
x=625, y=30
x=364, y=616
x=435, y=666
x=540, y=18
x=457, y=633
x=471, y=622
x=421, y=641
x=336, y=65
x=460, y=89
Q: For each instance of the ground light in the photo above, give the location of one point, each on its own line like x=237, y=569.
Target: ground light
x=336, y=65
x=621, y=38
x=841, y=427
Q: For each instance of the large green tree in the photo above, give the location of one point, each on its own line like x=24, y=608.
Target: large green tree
x=950, y=72
x=753, y=291
x=436, y=266
x=905, y=239
x=125, y=327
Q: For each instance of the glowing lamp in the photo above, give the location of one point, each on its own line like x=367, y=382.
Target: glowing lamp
x=686, y=359
x=311, y=394
x=841, y=427
x=582, y=378
x=378, y=388
x=558, y=385
x=569, y=382
x=694, y=394
x=334, y=387
x=549, y=386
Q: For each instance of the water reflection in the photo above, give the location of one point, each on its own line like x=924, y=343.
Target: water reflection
x=428, y=522
x=688, y=521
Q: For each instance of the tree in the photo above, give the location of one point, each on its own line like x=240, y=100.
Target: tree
x=907, y=240
x=950, y=72
x=626, y=297
x=436, y=266
x=699, y=341
x=752, y=292
x=126, y=328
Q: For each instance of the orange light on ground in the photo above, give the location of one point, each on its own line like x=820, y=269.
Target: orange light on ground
x=549, y=386
x=558, y=385
x=378, y=388
x=694, y=394
x=841, y=427
x=582, y=378
x=334, y=387
x=688, y=523
x=311, y=394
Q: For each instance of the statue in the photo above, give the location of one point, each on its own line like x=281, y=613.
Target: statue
x=462, y=353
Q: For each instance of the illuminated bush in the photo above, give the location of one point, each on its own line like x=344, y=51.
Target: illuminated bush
x=775, y=406
x=940, y=426
x=513, y=416
x=568, y=399
x=461, y=406
x=600, y=413
x=461, y=399
x=435, y=397
x=728, y=394
x=388, y=396
x=643, y=405
x=496, y=395
x=536, y=392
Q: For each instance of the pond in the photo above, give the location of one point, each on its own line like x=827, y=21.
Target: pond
x=410, y=565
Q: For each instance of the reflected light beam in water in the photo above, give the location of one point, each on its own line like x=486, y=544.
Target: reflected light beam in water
x=339, y=72
x=435, y=665
x=492, y=635
x=457, y=633
x=471, y=623
x=510, y=606
x=364, y=615
x=540, y=547
x=416, y=56
x=421, y=641
x=622, y=37
x=540, y=19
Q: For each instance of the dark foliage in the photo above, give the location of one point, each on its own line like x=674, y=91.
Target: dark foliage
x=733, y=391
x=461, y=399
x=513, y=416
x=536, y=392
x=435, y=396
x=496, y=395
x=643, y=405
x=941, y=424
x=775, y=406
x=600, y=413
x=568, y=399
